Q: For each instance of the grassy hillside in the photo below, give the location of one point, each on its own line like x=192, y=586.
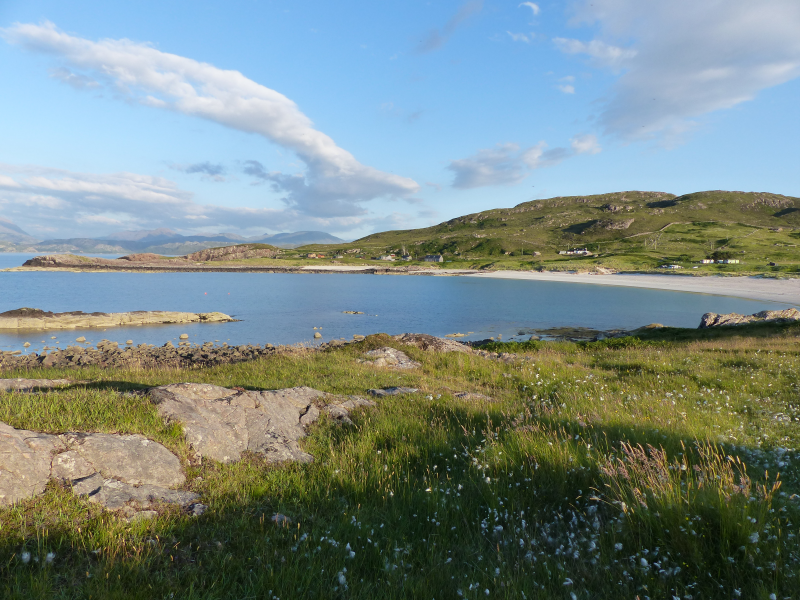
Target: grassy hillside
x=624, y=230
x=647, y=469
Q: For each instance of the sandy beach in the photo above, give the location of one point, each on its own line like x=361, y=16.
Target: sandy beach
x=785, y=291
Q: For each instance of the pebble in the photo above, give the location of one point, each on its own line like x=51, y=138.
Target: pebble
x=184, y=336
x=80, y=339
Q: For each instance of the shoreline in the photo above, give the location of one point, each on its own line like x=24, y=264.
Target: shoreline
x=748, y=287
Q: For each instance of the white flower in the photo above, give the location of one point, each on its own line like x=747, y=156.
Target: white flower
x=25, y=557
x=754, y=538
x=643, y=562
x=773, y=597
x=487, y=592
x=497, y=571
x=617, y=546
x=342, y=579
x=572, y=596
x=50, y=557
x=568, y=581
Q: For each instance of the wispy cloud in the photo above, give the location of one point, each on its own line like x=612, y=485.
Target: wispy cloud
x=534, y=7
x=519, y=37
x=334, y=181
x=509, y=163
x=41, y=198
x=603, y=54
x=566, y=88
x=210, y=171
x=436, y=38
x=687, y=58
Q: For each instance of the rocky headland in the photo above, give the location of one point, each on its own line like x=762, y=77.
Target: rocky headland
x=34, y=318
x=765, y=316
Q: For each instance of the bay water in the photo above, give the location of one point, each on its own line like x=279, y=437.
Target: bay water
x=285, y=308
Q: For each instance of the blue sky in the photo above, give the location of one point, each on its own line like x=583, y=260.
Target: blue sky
x=354, y=117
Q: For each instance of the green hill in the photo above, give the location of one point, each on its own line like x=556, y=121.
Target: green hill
x=622, y=230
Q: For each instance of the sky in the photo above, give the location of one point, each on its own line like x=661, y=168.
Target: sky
x=262, y=116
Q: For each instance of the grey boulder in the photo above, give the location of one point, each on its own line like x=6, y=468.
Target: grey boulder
x=29, y=385
x=221, y=423
x=389, y=357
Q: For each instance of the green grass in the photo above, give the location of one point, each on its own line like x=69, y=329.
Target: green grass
x=603, y=470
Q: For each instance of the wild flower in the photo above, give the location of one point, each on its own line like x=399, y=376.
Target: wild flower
x=754, y=538
x=25, y=557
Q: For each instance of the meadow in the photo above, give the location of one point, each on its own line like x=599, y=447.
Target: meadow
x=659, y=466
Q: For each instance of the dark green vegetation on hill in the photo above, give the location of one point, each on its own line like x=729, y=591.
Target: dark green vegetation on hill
x=624, y=230
x=598, y=470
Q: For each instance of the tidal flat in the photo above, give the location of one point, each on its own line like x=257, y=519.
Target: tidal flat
x=657, y=466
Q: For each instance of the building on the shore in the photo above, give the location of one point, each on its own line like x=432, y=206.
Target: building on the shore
x=407, y=257
x=389, y=257
x=729, y=261
x=433, y=258
x=573, y=251
x=670, y=267
x=707, y=261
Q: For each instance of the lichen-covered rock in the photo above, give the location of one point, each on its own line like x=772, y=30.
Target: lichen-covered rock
x=393, y=391
x=389, y=357
x=221, y=423
x=715, y=320
x=112, y=470
x=25, y=458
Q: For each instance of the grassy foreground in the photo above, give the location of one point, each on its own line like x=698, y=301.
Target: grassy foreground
x=637, y=469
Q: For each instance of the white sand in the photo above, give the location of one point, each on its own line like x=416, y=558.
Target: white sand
x=784, y=291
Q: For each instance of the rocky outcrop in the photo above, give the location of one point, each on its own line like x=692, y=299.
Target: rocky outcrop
x=767, y=316
x=241, y=252
x=110, y=469
x=34, y=318
x=389, y=357
x=621, y=224
x=431, y=343
x=221, y=423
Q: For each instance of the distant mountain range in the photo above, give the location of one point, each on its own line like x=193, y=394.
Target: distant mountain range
x=159, y=241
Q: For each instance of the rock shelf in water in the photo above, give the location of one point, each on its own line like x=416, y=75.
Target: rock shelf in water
x=34, y=318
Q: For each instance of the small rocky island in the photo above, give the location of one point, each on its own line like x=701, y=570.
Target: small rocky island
x=34, y=318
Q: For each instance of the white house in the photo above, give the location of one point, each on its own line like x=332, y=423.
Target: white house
x=433, y=258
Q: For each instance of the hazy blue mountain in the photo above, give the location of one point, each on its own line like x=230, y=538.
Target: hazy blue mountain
x=14, y=234
x=159, y=241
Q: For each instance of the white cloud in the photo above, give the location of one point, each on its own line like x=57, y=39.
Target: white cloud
x=566, y=88
x=602, y=53
x=692, y=58
x=534, y=7
x=39, y=198
x=436, y=38
x=507, y=163
x=585, y=144
x=139, y=72
x=519, y=37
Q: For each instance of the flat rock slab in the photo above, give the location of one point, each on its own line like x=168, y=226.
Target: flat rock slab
x=472, y=396
x=432, y=343
x=34, y=318
x=112, y=470
x=393, y=391
x=221, y=423
x=389, y=357
x=765, y=316
x=30, y=385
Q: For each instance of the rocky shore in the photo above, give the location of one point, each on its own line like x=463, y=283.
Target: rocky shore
x=34, y=318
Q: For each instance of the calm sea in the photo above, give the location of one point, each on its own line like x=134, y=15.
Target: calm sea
x=285, y=308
